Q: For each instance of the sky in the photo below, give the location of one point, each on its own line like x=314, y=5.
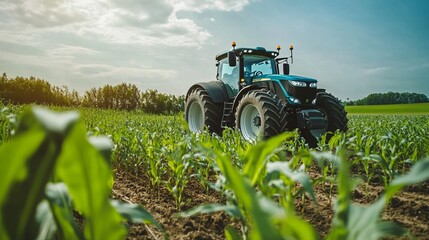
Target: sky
x=353, y=48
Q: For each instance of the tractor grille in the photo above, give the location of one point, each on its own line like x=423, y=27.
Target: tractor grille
x=305, y=94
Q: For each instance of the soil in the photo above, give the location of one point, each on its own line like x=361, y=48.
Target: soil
x=159, y=202
x=409, y=208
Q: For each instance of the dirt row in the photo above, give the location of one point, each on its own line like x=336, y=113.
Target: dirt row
x=409, y=208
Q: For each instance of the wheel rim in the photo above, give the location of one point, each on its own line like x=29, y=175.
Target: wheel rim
x=317, y=133
x=195, y=117
x=250, y=122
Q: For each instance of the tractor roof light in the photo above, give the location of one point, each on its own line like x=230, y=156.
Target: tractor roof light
x=291, y=47
x=313, y=85
x=278, y=48
x=233, y=44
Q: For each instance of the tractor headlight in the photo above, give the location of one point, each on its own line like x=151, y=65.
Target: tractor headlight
x=313, y=85
x=298, y=84
x=295, y=100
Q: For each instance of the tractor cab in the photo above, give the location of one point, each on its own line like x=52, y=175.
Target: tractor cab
x=242, y=67
x=238, y=68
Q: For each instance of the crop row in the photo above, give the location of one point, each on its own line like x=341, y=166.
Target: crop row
x=378, y=148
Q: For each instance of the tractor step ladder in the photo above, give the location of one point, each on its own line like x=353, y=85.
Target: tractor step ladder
x=226, y=116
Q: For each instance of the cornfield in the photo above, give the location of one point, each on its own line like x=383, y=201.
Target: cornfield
x=263, y=189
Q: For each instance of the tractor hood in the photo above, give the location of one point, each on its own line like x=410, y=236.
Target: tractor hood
x=281, y=77
x=296, y=90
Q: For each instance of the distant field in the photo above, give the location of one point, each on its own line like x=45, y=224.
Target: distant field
x=419, y=108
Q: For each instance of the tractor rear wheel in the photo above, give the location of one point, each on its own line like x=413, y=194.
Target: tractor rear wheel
x=201, y=111
x=259, y=114
x=335, y=115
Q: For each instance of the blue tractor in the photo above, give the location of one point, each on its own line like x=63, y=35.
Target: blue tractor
x=252, y=95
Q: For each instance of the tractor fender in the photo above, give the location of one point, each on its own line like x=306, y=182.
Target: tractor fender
x=241, y=94
x=215, y=89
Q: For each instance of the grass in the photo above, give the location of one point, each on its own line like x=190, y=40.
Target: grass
x=414, y=108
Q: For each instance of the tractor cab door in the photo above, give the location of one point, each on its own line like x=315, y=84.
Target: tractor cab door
x=229, y=76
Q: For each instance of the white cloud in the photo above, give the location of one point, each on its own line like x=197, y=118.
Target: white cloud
x=62, y=57
x=82, y=43
x=44, y=13
x=201, y=5
x=100, y=71
x=144, y=22
x=23, y=59
x=375, y=70
x=67, y=54
x=143, y=12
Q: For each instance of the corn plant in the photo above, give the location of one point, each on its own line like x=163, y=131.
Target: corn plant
x=55, y=171
x=262, y=218
x=352, y=221
x=8, y=123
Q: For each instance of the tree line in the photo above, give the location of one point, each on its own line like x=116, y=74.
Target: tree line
x=21, y=90
x=390, y=98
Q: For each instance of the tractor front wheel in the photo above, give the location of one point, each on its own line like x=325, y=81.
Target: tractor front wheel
x=335, y=116
x=259, y=114
x=201, y=111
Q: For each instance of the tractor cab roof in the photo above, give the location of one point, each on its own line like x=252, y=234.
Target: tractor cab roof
x=254, y=51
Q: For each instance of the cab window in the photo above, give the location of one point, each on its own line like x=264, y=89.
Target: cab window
x=229, y=75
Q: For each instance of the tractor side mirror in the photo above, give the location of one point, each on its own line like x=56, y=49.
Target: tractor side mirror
x=232, y=59
x=286, y=68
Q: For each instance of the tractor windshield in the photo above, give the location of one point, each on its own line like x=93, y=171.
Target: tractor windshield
x=255, y=65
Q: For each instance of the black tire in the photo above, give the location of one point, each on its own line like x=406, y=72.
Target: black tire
x=201, y=111
x=259, y=114
x=335, y=115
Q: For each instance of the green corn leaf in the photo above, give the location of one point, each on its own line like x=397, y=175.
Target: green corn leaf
x=231, y=210
x=104, y=145
x=46, y=220
x=232, y=234
x=13, y=169
x=297, y=176
x=263, y=227
x=342, y=204
x=88, y=176
x=296, y=228
x=357, y=222
x=328, y=156
x=136, y=214
x=258, y=155
x=365, y=223
x=392, y=229
x=362, y=221
x=61, y=205
x=28, y=172
x=52, y=122
x=418, y=173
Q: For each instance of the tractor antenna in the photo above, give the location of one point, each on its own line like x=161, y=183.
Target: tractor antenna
x=291, y=53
